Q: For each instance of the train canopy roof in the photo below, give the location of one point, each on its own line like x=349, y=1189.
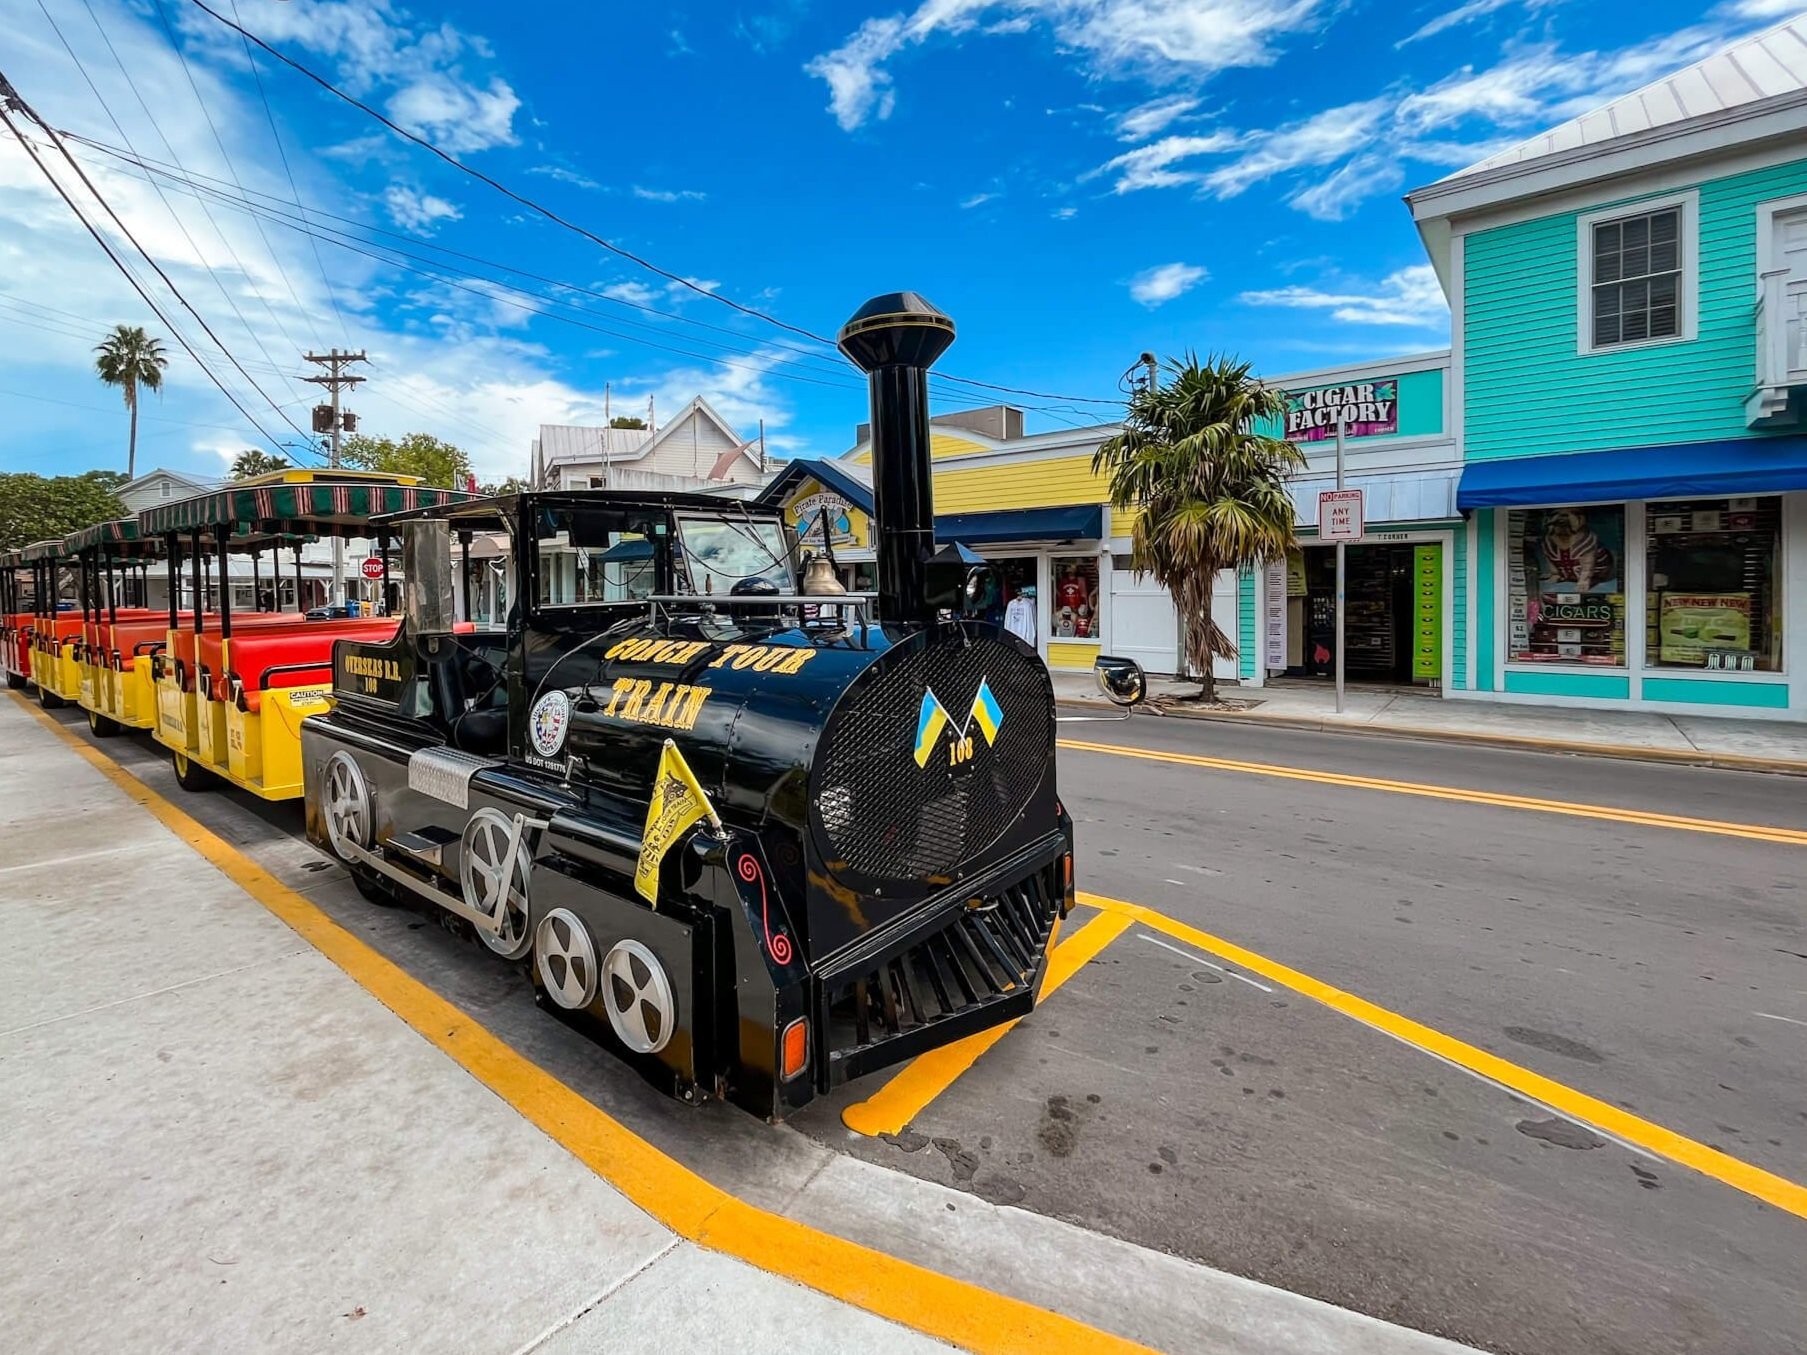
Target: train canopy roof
x=121, y=533
x=500, y=511
x=45, y=550
x=298, y=503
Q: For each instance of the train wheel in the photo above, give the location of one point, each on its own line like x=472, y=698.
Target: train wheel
x=100, y=726
x=642, y=1007
x=48, y=699
x=346, y=806
x=480, y=858
x=564, y=957
x=374, y=888
x=190, y=775
x=14, y=681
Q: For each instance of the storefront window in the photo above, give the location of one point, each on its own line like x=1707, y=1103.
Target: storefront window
x=1073, y=610
x=1714, y=594
x=1565, y=585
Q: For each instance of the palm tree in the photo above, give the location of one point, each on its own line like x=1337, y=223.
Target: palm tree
x=253, y=462
x=1208, y=486
x=129, y=358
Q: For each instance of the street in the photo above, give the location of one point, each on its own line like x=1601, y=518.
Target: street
x=1660, y=969
x=1178, y=1099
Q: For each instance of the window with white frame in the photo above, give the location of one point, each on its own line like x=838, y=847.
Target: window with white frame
x=1637, y=275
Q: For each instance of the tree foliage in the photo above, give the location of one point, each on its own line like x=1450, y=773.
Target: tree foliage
x=1208, y=487
x=626, y=421
x=513, y=484
x=129, y=359
x=252, y=462
x=439, y=464
x=38, y=508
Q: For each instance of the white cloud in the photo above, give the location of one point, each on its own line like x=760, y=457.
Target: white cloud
x=416, y=211
x=634, y=293
x=1155, y=39
x=1150, y=166
x=378, y=51
x=1158, y=285
x=1351, y=185
x=977, y=200
x=1064, y=213
x=456, y=116
x=560, y=174
x=1321, y=139
x=669, y=194
x=1156, y=115
x=1473, y=9
x=1411, y=296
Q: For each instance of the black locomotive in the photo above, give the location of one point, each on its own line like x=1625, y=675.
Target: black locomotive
x=758, y=840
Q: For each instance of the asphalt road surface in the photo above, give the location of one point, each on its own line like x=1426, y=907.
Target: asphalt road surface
x=1659, y=969
x=1175, y=1099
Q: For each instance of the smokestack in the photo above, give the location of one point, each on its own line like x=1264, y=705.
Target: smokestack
x=895, y=339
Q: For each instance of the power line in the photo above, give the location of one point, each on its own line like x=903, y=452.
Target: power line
x=502, y=188
x=175, y=216
x=294, y=188
x=226, y=157
x=9, y=99
x=200, y=183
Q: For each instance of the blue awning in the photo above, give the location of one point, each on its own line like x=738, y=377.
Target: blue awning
x=1736, y=466
x=1073, y=522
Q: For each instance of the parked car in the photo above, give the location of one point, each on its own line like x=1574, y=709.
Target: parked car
x=334, y=611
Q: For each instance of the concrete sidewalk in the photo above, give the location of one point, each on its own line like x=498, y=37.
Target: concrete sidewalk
x=213, y=1138
x=1699, y=740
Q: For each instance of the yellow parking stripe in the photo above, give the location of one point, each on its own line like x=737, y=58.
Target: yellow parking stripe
x=927, y=1301
x=1608, y=1119
x=925, y=1077
x=1793, y=837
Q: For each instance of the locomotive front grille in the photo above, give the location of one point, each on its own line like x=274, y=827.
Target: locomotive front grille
x=913, y=779
x=976, y=971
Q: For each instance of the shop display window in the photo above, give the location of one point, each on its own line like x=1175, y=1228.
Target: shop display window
x=1565, y=585
x=1073, y=609
x=1714, y=595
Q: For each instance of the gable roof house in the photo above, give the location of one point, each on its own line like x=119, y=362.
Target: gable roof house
x=697, y=449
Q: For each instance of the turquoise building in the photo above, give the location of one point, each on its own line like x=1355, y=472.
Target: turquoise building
x=1628, y=365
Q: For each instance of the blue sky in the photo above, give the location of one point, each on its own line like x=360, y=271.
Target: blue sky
x=1074, y=181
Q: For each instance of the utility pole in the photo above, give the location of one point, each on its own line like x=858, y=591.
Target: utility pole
x=762, y=446
x=335, y=363
x=1154, y=371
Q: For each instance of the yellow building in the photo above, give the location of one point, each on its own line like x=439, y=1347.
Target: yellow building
x=1029, y=505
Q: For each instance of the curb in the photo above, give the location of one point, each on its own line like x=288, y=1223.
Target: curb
x=1525, y=743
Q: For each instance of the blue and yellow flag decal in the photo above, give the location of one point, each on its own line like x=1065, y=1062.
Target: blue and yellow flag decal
x=933, y=718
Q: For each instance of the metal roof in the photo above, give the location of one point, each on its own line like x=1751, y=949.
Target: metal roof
x=1764, y=66
x=311, y=507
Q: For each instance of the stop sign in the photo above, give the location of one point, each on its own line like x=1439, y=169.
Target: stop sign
x=373, y=567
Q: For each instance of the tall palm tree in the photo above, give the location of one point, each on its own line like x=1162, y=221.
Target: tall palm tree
x=1208, y=487
x=130, y=359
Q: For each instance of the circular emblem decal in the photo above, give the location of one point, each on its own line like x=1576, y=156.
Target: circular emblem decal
x=548, y=723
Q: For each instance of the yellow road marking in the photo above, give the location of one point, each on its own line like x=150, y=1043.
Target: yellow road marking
x=925, y=1077
x=937, y=1305
x=1793, y=837
x=1766, y=1186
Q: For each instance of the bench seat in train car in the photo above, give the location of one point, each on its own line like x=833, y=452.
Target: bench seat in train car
x=58, y=674
x=15, y=647
x=260, y=686
x=129, y=694
x=173, y=672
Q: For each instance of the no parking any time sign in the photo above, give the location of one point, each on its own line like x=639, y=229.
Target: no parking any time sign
x=1340, y=515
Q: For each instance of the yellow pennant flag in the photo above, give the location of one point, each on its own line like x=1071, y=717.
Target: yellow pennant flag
x=678, y=801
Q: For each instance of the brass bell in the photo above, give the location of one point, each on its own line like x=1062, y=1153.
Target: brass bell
x=819, y=579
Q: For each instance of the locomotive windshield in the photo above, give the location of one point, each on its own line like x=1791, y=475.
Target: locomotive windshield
x=721, y=552
x=591, y=556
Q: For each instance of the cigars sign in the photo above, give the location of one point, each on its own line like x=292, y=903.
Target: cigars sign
x=1365, y=408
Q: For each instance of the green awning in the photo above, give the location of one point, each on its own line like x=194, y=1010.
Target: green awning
x=302, y=509
x=118, y=532
x=45, y=550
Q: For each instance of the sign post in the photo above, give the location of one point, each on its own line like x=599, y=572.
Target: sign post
x=1340, y=514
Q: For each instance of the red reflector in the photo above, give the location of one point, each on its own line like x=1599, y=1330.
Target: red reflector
x=1066, y=871
x=796, y=1048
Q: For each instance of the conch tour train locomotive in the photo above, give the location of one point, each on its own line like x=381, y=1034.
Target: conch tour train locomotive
x=757, y=837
